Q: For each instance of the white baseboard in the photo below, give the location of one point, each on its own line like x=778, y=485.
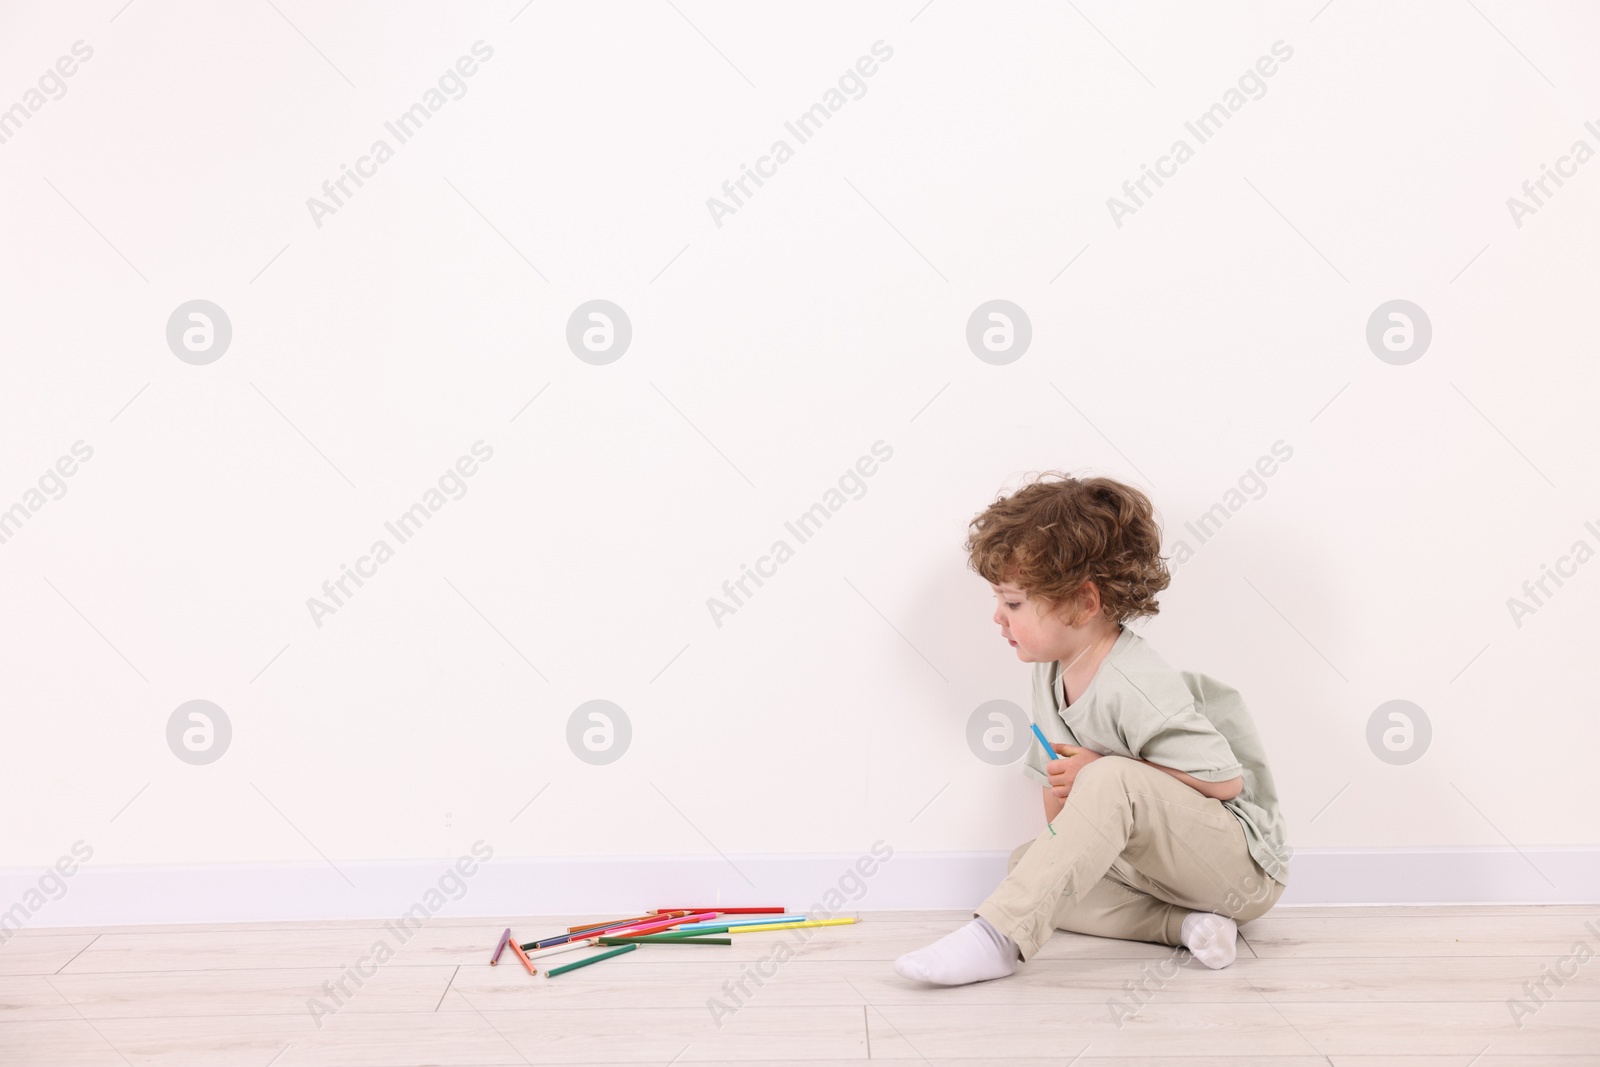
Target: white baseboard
x=107, y=896
x=1444, y=876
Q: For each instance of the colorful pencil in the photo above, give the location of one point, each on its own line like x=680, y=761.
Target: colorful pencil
x=623, y=922
x=727, y=911
x=698, y=931
x=501, y=947
x=753, y=921
x=575, y=946
x=558, y=939
x=658, y=939
x=523, y=956
x=626, y=925
x=569, y=946
x=609, y=922
x=790, y=926
x=659, y=924
x=592, y=959
x=581, y=931
x=670, y=935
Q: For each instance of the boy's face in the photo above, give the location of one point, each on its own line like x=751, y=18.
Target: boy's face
x=1037, y=634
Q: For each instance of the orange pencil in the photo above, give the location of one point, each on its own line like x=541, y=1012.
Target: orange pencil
x=523, y=956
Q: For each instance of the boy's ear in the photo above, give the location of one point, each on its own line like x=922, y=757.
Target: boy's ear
x=1085, y=604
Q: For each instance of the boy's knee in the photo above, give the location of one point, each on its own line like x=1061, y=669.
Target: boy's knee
x=1260, y=894
x=1107, y=770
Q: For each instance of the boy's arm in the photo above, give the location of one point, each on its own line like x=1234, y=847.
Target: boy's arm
x=1215, y=790
x=1052, y=805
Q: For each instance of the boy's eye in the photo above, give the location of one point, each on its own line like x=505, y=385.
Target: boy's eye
x=1012, y=606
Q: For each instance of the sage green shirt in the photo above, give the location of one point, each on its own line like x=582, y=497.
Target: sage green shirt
x=1137, y=706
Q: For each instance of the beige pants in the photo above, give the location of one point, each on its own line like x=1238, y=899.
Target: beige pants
x=1132, y=852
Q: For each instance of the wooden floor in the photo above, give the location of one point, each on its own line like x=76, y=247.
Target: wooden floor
x=1346, y=986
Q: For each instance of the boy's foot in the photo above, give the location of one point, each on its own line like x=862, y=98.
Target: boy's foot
x=1211, y=937
x=976, y=952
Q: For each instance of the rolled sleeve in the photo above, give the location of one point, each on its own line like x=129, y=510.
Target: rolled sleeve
x=1030, y=766
x=1184, y=741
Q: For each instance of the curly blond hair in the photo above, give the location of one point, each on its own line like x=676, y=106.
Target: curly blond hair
x=1051, y=536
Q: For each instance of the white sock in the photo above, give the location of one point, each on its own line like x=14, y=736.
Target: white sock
x=1211, y=937
x=976, y=952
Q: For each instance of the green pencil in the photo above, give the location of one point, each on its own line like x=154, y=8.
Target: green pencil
x=552, y=972
x=666, y=940
x=678, y=933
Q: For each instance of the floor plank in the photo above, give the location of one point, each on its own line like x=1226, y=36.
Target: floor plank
x=1279, y=935
x=156, y=994
x=1171, y=1028
x=42, y=953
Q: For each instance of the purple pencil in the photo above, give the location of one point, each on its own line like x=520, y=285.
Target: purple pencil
x=501, y=947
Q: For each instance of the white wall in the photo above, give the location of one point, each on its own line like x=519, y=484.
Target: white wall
x=828, y=313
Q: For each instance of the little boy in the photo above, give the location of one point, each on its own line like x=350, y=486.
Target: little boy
x=1163, y=819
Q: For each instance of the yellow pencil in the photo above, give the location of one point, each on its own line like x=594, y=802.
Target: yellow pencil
x=789, y=926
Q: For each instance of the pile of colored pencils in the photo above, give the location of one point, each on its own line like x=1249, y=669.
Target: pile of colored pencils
x=663, y=926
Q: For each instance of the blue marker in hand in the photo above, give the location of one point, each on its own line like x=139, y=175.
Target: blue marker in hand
x=1053, y=754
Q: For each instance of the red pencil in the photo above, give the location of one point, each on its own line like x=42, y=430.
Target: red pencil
x=727, y=911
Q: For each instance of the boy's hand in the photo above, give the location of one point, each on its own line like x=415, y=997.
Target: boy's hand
x=1063, y=770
